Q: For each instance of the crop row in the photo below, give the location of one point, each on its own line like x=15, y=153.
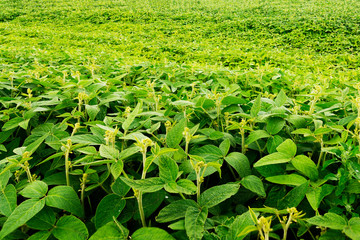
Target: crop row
x=144, y=148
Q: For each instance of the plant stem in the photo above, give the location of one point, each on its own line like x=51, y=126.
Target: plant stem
x=143, y=175
x=28, y=173
x=312, y=236
x=83, y=183
x=312, y=106
x=321, y=153
x=198, y=183
x=232, y=172
x=182, y=195
x=141, y=209
x=139, y=195
x=287, y=225
x=67, y=168
x=242, y=142
x=67, y=162
x=103, y=188
x=266, y=236
x=260, y=150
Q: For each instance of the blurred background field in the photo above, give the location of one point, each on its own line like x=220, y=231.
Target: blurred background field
x=304, y=36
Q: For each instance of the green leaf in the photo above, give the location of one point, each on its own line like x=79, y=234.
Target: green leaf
x=215, y=165
x=240, y=223
x=179, y=225
x=274, y=158
x=145, y=185
x=168, y=169
x=44, y=220
x=22, y=213
x=194, y=222
x=331, y=234
x=109, y=152
x=335, y=140
x=306, y=166
x=287, y=147
x=306, y=132
x=36, y=189
x=90, y=150
x=248, y=229
x=270, y=210
x=229, y=100
x=120, y=188
x=31, y=148
x=215, y=195
x=149, y=160
x=4, y=179
x=128, y=152
x=117, y=168
x=186, y=186
x=225, y=146
x=281, y=98
x=182, y=103
x=87, y=139
x=41, y=235
x=131, y=117
x=92, y=111
x=255, y=109
x=353, y=228
x=330, y=220
x=154, y=127
x=216, y=135
x=273, y=143
x=256, y=135
x=316, y=195
x=322, y=131
x=274, y=125
x=147, y=233
x=110, y=231
x=2, y=148
x=254, y=184
x=110, y=206
x=182, y=186
x=290, y=179
x=294, y=197
x=175, y=210
x=209, y=152
x=64, y=197
x=239, y=162
x=13, y=123
x=4, y=135
x=24, y=124
x=171, y=187
x=7, y=200
x=70, y=227
x=175, y=134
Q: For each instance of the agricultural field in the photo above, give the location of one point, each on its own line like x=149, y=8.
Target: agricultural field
x=179, y=119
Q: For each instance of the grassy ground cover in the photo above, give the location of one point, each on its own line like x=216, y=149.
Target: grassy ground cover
x=179, y=119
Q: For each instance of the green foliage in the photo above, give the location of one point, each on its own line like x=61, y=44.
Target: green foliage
x=65, y=198
x=21, y=214
x=36, y=189
x=70, y=227
x=195, y=222
x=111, y=230
x=182, y=115
x=215, y=195
x=151, y=232
x=109, y=207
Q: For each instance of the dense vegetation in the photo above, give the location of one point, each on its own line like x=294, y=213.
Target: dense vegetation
x=179, y=119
